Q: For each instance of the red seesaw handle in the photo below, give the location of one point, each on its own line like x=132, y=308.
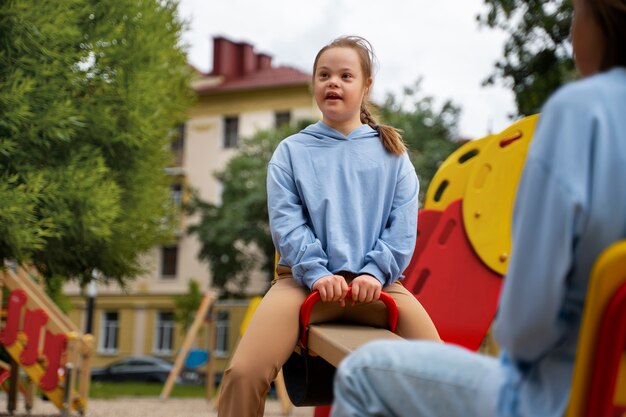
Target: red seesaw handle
x=314, y=297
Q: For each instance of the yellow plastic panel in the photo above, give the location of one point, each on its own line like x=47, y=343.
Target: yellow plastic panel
x=490, y=193
x=450, y=180
x=609, y=272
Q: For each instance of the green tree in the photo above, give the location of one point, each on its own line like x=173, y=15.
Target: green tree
x=537, y=55
x=428, y=131
x=235, y=236
x=90, y=92
x=187, y=305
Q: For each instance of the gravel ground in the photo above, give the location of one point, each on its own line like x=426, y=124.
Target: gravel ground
x=145, y=407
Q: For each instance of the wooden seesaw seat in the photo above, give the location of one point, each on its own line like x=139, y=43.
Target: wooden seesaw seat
x=310, y=370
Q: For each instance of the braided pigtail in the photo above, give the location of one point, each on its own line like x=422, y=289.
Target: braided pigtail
x=389, y=135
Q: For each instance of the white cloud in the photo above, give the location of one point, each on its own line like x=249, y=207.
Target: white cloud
x=439, y=41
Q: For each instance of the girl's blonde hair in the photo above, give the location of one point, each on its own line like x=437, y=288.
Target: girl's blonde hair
x=389, y=136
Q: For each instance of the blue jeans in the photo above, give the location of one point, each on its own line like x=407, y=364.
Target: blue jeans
x=416, y=379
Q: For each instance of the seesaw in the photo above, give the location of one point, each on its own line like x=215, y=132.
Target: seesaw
x=309, y=372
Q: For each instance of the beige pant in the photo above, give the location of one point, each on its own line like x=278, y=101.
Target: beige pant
x=272, y=335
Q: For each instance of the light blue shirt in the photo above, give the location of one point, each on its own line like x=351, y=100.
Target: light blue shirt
x=570, y=205
x=341, y=203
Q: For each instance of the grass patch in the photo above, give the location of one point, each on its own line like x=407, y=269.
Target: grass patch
x=107, y=390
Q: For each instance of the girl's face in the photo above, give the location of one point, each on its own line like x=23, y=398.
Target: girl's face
x=339, y=87
x=587, y=39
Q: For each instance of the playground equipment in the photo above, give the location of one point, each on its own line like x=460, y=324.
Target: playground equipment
x=9, y=371
x=599, y=383
x=44, y=343
x=464, y=234
x=321, y=347
x=461, y=254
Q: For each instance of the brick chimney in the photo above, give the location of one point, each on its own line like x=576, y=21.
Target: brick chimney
x=264, y=61
x=226, y=58
x=248, y=58
x=234, y=60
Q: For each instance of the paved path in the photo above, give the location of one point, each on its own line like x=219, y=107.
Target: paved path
x=145, y=407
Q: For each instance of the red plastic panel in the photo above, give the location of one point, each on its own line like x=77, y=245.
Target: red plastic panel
x=322, y=411
x=54, y=346
x=611, y=343
x=426, y=222
x=17, y=299
x=455, y=287
x=34, y=320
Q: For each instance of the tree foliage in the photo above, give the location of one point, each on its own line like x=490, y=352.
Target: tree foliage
x=187, y=305
x=428, y=131
x=537, y=55
x=235, y=236
x=89, y=93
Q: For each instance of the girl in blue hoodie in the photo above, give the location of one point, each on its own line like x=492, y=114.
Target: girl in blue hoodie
x=343, y=201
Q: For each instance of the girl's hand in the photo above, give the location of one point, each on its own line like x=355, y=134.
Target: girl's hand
x=332, y=288
x=365, y=289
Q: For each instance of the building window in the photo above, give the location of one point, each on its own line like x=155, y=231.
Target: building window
x=282, y=118
x=231, y=131
x=169, y=261
x=176, y=194
x=178, y=145
x=221, y=334
x=109, y=332
x=164, y=334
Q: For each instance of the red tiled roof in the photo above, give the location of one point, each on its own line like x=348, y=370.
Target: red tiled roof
x=267, y=78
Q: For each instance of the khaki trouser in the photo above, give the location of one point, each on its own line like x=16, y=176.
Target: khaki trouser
x=272, y=334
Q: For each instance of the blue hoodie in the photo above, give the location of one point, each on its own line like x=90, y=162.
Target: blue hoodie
x=570, y=206
x=341, y=203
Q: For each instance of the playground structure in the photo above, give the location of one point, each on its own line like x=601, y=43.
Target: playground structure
x=461, y=254
x=599, y=382
x=464, y=234
x=457, y=270
x=309, y=370
x=42, y=341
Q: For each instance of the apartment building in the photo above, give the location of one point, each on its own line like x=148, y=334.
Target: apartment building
x=245, y=92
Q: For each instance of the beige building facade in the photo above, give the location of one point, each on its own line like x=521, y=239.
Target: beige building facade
x=243, y=94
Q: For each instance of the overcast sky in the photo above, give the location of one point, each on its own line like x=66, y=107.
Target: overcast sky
x=439, y=41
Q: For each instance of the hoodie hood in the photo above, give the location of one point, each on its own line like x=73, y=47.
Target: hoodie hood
x=321, y=130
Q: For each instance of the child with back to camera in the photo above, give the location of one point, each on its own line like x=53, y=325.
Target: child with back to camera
x=570, y=206
x=343, y=201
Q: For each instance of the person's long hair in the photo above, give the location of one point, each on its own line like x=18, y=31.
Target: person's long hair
x=611, y=17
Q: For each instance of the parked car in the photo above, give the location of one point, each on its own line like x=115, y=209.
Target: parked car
x=143, y=369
